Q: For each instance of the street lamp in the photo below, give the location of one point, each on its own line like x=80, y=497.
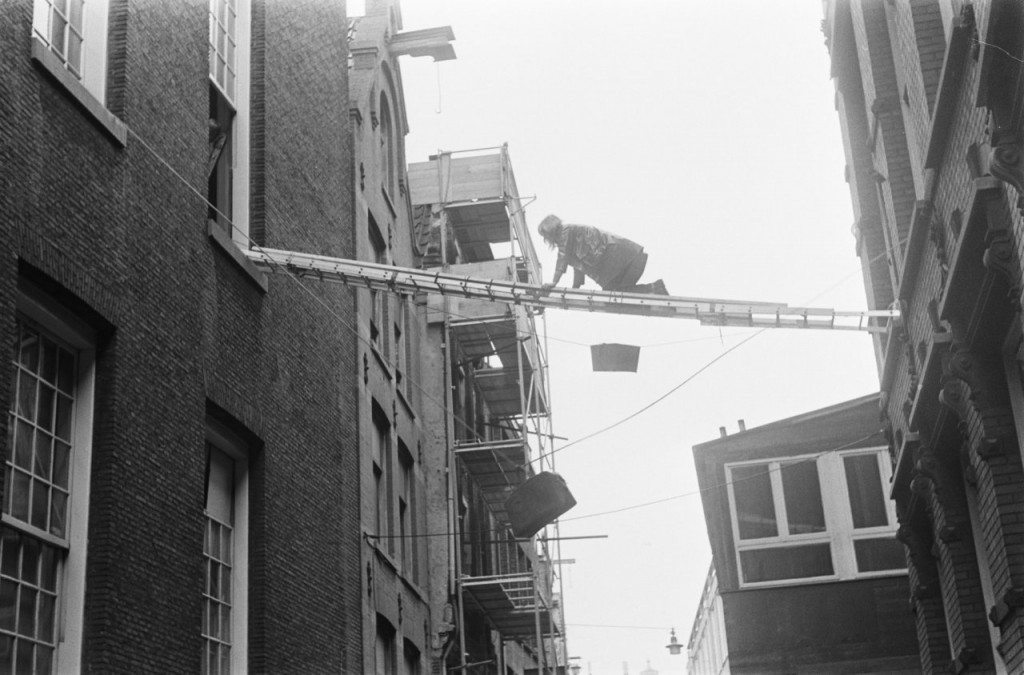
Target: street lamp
x=673, y=645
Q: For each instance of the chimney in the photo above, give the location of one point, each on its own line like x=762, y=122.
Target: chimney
x=721, y=430
x=742, y=424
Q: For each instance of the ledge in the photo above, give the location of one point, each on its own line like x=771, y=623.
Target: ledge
x=107, y=120
x=404, y=400
x=221, y=240
x=381, y=361
x=949, y=90
x=432, y=42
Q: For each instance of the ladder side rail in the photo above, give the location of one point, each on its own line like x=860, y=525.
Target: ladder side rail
x=708, y=311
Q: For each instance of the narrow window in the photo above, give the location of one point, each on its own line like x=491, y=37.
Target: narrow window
x=228, y=125
x=387, y=145
x=225, y=554
x=402, y=353
x=46, y=492
x=412, y=664
x=378, y=299
x=407, y=508
x=382, y=477
x=384, y=648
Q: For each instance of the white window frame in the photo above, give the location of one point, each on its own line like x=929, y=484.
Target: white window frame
x=225, y=441
x=69, y=618
x=239, y=99
x=92, y=70
x=839, y=531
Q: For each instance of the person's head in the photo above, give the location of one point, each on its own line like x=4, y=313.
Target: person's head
x=549, y=229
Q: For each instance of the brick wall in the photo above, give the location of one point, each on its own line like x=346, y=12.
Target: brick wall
x=121, y=239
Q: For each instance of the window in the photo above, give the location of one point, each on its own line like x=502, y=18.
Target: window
x=410, y=659
x=228, y=163
x=382, y=477
x=403, y=355
x=407, y=509
x=225, y=554
x=75, y=32
x=378, y=299
x=46, y=491
x=387, y=146
x=813, y=518
x=384, y=648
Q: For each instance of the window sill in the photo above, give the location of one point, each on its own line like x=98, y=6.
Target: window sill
x=810, y=581
x=225, y=244
x=382, y=554
x=382, y=362
x=414, y=588
x=107, y=120
x=406, y=403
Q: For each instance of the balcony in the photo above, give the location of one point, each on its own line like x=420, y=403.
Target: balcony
x=518, y=595
x=497, y=467
x=478, y=195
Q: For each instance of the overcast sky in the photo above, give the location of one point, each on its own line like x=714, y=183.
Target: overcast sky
x=705, y=131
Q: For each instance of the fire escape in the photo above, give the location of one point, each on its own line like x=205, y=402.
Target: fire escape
x=470, y=222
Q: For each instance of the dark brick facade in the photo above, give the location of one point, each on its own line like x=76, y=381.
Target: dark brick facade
x=950, y=367
x=117, y=234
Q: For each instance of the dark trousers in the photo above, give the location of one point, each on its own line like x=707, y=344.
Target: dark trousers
x=627, y=264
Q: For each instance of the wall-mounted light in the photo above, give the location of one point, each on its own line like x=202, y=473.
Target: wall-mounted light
x=673, y=645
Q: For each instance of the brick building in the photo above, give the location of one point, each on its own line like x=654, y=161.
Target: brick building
x=929, y=95
x=800, y=525
x=182, y=469
x=399, y=631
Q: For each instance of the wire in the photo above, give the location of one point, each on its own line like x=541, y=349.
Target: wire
x=998, y=48
x=856, y=443
x=657, y=400
x=718, y=486
x=426, y=394
x=295, y=278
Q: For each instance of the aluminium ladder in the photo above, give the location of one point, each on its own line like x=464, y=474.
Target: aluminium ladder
x=708, y=311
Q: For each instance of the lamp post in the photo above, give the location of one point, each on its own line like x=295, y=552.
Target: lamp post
x=673, y=645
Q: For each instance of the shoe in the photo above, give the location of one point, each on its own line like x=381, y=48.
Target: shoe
x=659, y=287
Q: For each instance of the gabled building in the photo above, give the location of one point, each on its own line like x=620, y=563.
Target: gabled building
x=929, y=99
x=399, y=629
x=807, y=573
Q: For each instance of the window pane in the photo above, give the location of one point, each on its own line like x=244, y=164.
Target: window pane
x=755, y=510
x=793, y=562
x=867, y=501
x=802, y=493
x=221, y=486
x=876, y=555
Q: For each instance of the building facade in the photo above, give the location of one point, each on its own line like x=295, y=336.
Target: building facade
x=399, y=632
x=181, y=477
x=929, y=96
x=807, y=573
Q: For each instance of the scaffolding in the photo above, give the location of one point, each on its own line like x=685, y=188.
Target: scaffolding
x=470, y=224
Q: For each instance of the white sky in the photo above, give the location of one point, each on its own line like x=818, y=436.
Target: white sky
x=706, y=132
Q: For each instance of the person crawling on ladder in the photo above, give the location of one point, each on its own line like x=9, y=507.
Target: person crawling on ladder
x=614, y=262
